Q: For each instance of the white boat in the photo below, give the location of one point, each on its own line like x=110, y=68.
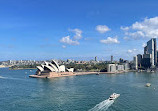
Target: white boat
x=148, y=84
x=113, y=96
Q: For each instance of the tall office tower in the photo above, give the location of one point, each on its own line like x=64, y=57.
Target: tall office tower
x=139, y=56
x=135, y=62
x=95, y=58
x=145, y=50
x=146, y=60
x=111, y=59
x=155, y=51
x=157, y=55
x=151, y=49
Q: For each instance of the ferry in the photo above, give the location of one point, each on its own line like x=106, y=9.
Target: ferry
x=113, y=96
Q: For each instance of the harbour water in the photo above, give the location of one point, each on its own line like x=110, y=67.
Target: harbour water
x=18, y=92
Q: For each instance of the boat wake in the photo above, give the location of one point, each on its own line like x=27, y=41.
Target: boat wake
x=1, y=77
x=102, y=106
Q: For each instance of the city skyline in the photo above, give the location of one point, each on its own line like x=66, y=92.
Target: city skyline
x=80, y=30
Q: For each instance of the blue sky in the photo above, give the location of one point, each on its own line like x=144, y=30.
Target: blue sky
x=78, y=29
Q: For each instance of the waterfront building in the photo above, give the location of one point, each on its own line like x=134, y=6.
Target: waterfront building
x=120, y=67
x=70, y=70
x=51, y=67
x=152, y=49
x=145, y=50
x=157, y=56
x=139, y=57
x=126, y=66
x=135, y=62
x=111, y=68
x=146, y=61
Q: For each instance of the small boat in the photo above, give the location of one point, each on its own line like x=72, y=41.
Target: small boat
x=97, y=74
x=148, y=85
x=113, y=96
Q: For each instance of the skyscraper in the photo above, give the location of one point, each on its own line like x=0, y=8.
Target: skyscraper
x=145, y=50
x=139, y=56
x=111, y=59
x=135, y=62
x=151, y=49
x=146, y=61
x=155, y=51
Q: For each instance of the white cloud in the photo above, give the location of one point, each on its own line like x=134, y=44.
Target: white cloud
x=135, y=35
x=74, y=40
x=124, y=28
x=129, y=51
x=63, y=46
x=148, y=28
x=110, y=40
x=78, y=33
x=69, y=41
x=102, y=28
x=126, y=38
x=132, y=51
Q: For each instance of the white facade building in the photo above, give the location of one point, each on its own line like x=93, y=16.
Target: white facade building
x=117, y=67
x=111, y=68
x=120, y=67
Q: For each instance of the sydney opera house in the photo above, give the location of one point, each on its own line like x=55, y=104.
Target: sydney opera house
x=52, y=69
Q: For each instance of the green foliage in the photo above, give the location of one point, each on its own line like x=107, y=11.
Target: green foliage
x=98, y=67
x=101, y=67
x=24, y=66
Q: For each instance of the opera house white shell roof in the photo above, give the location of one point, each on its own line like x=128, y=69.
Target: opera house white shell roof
x=53, y=67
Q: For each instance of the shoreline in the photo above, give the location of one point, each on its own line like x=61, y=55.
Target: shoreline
x=21, y=68
x=65, y=74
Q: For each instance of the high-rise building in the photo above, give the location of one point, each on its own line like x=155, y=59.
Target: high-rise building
x=145, y=50
x=151, y=49
x=135, y=62
x=157, y=55
x=111, y=59
x=146, y=61
x=155, y=51
x=139, y=56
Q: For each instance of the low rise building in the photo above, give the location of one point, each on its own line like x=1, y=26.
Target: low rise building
x=113, y=68
x=120, y=67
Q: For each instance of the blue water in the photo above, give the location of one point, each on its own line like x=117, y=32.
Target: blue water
x=18, y=92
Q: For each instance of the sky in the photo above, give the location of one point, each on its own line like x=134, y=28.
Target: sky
x=76, y=29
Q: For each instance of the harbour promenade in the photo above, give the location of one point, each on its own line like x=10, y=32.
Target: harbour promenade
x=64, y=74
